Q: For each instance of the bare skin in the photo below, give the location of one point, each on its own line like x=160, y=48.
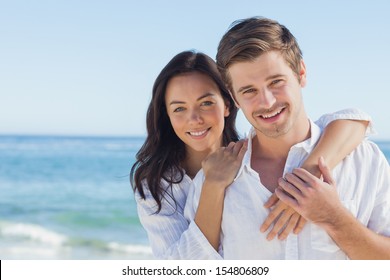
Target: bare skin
x=307, y=194
x=339, y=139
x=195, y=104
x=217, y=180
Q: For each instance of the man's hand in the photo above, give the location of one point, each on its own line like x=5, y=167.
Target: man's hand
x=284, y=217
x=316, y=200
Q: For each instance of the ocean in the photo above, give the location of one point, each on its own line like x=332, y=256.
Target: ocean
x=70, y=198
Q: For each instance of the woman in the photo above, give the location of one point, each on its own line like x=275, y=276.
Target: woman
x=191, y=124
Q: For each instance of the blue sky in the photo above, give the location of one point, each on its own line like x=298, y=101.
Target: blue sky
x=87, y=67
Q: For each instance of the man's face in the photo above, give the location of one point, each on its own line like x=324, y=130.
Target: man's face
x=269, y=93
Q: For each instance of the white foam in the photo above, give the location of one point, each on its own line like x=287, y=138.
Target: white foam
x=33, y=232
x=132, y=249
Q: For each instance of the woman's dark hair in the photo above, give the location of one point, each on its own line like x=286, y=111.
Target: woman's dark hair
x=161, y=155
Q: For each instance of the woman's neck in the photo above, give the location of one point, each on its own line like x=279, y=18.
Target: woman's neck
x=193, y=162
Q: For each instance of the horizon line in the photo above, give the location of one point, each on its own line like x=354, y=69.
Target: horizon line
x=68, y=135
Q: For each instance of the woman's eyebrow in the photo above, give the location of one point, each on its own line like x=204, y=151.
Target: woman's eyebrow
x=173, y=102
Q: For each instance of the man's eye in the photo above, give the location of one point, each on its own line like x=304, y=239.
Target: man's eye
x=250, y=90
x=275, y=82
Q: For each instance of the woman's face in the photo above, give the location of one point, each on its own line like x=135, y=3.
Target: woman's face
x=196, y=110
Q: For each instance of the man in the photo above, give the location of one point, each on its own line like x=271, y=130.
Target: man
x=348, y=211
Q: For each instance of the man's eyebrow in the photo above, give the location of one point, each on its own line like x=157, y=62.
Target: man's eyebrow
x=274, y=77
x=173, y=102
x=241, y=89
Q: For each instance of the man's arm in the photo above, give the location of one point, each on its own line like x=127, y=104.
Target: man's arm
x=340, y=138
x=318, y=202
x=357, y=241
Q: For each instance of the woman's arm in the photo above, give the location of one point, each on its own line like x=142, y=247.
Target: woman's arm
x=170, y=234
x=338, y=140
x=340, y=137
x=220, y=168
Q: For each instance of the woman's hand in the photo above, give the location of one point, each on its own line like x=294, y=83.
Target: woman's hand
x=221, y=166
x=284, y=218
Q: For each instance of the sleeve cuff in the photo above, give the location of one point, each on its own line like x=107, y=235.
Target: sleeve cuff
x=347, y=114
x=209, y=251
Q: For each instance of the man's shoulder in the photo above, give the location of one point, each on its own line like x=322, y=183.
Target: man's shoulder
x=368, y=147
x=368, y=153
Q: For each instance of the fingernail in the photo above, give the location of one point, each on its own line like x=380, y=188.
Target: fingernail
x=262, y=229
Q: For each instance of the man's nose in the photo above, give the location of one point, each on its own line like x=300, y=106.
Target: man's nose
x=266, y=98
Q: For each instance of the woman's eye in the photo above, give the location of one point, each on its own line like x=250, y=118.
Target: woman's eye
x=179, y=109
x=207, y=103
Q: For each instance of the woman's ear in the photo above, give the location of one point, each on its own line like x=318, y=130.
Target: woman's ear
x=227, y=110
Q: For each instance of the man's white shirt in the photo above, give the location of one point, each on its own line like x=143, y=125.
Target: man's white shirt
x=363, y=185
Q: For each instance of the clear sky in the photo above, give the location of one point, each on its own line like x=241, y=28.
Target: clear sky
x=73, y=67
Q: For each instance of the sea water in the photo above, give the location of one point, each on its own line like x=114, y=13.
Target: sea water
x=70, y=198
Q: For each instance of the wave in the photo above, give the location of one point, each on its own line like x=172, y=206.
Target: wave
x=31, y=241
x=31, y=232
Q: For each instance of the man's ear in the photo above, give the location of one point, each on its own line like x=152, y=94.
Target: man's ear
x=302, y=74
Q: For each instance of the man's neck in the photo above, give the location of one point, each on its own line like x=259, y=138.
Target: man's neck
x=279, y=147
x=269, y=155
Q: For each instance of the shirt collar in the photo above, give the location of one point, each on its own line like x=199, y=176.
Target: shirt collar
x=308, y=145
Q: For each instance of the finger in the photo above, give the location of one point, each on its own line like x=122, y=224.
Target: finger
x=271, y=201
x=300, y=225
x=292, y=222
x=296, y=181
x=272, y=216
x=290, y=189
x=306, y=176
x=280, y=223
x=230, y=146
x=326, y=173
x=283, y=196
x=237, y=147
x=243, y=150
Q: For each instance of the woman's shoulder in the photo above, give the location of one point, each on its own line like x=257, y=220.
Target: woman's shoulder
x=172, y=185
x=173, y=196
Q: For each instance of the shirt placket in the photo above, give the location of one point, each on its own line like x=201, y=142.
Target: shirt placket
x=294, y=159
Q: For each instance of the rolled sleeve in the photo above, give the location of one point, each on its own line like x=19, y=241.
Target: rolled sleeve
x=347, y=114
x=170, y=234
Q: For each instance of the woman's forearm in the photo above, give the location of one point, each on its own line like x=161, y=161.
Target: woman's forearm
x=208, y=216
x=338, y=140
